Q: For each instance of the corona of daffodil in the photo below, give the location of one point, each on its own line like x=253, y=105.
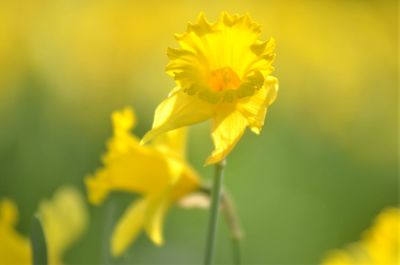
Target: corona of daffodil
x=380, y=244
x=158, y=172
x=222, y=72
x=64, y=219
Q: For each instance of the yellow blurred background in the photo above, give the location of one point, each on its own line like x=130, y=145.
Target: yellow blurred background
x=325, y=164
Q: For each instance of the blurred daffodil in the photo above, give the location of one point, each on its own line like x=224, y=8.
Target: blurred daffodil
x=64, y=219
x=379, y=245
x=14, y=247
x=159, y=172
x=222, y=72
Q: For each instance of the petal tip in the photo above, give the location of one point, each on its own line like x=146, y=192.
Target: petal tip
x=147, y=137
x=159, y=241
x=212, y=159
x=201, y=17
x=256, y=130
x=116, y=251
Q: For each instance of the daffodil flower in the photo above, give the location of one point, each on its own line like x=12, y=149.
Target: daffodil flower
x=223, y=73
x=64, y=219
x=14, y=247
x=158, y=172
x=380, y=244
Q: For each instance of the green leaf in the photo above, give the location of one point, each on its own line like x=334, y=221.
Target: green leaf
x=38, y=242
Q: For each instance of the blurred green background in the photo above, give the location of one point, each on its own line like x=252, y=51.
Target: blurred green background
x=325, y=164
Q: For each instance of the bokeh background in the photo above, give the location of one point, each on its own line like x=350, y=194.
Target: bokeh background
x=324, y=166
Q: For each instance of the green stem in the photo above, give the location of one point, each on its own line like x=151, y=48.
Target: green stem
x=232, y=221
x=237, y=260
x=214, y=210
x=108, y=226
x=38, y=242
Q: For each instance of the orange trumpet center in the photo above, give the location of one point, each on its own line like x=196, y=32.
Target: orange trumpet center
x=223, y=79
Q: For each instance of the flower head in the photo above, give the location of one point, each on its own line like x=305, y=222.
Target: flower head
x=64, y=219
x=222, y=72
x=14, y=247
x=158, y=172
x=380, y=243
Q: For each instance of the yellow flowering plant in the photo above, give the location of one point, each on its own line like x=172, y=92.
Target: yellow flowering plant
x=380, y=244
x=222, y=72
x=64, y=219
x=158, y=172
x=14, y=247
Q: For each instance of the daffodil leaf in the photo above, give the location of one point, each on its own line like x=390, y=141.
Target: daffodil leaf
x=38, y=242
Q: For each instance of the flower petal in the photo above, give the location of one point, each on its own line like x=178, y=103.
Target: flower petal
x=154, y=224
x=128, y=166
x=123, y=140
x=64, y=220
x=129, y=226
x=188, y=182
x=172, y=143
x=140, y=170
x=178, y=110
x=228, y=126
x=8, y=213
x=123, y=120
x=272, y=85
x=254, y=108
x=14, y=247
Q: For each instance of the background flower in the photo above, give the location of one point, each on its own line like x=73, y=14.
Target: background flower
x=158, y=172
x=64, y=219
x=380, y=244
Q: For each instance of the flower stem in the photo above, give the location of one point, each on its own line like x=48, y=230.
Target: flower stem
x=237, y=260
x=214, y=210
x=232, y=220
x=108, y=224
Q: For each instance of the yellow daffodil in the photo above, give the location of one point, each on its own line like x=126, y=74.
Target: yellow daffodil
x=379, y=245
x=159, y=172
x=64, y=219
x=222, y=72
x=14, y=247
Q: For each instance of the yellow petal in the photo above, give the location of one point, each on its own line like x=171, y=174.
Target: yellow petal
x=172, y=143
x=64, y=220
x=382, y=240
x=14, y=247
x=178, y=110
x=230, y=43
x=140, y=170
x=339, y=257
x=129, y=226
x=225, y=43
x=154, y=224
x=272, y=86
x=228, y=127
x=379, y=244
x=123, y=120
x=129, y=166
x=98, y=186
x=8, y=212
x=187, y=183
x=254, y=108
